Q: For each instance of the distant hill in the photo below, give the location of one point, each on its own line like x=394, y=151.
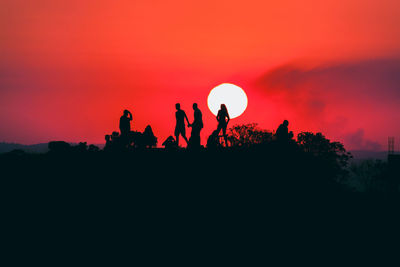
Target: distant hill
x=360, y=155
x=36, y=148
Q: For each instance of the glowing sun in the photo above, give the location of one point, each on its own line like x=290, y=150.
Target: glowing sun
x=229, y=94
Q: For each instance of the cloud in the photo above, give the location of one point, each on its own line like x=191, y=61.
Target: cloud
x=362, y=97
x=357, y=140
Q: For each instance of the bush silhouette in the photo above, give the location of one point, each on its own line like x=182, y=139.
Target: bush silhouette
x=248, y=135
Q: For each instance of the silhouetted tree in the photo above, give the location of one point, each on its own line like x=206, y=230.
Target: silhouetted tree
x=247, y=135
x=333, y=153
x=370, y=174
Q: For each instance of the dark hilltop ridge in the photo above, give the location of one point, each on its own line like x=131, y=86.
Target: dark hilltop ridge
x=243, y=189
x=192, y=204
x=310, y=162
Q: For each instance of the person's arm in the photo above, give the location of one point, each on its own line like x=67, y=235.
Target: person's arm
x=227, y=115
x=130, y=115
x=186, y=118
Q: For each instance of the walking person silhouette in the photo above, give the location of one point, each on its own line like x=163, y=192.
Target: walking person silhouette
x=223, y=120
x=180, y=129
x=197, y=125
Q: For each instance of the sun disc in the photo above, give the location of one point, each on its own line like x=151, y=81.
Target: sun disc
x=229, y=94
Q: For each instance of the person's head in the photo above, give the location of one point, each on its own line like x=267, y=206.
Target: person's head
x=115, y=134
x=286, y=123
x=223, y=107
x=178, y=106
x=148, y=129
x=194, y=106
x=126, y=112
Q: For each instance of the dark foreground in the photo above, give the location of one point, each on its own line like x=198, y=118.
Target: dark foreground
x=204, y=208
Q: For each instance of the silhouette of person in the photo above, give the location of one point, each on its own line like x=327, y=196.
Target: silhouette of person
x=180, y=129
x=108, y=145
x=223, y=120
x=148, y=138
x=213, y=140
x=170, y=143
x=197, y=125
x=125, y=122
x=282, y=133
x=125, y=126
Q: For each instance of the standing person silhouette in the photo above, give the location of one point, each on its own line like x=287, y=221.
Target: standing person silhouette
x=180, y=129
x=197, y=125
x=223, y=120
x=125, y=126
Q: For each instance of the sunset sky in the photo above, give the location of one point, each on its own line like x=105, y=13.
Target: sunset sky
x=69, y=68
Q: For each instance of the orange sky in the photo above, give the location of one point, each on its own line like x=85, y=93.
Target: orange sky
x=68, y=69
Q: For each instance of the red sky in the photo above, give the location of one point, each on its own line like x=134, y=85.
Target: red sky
x=69, y=68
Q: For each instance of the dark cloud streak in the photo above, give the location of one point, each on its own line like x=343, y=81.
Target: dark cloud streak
x=365, y=93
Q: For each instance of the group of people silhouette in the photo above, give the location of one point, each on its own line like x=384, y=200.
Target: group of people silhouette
x=197, y=125
x=128, y=138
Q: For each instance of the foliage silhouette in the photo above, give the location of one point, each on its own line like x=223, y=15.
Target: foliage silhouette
x=248, y=135
x=333, y=154
x=370, y=174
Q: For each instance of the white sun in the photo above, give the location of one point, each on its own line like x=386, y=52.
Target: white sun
x=229, y=94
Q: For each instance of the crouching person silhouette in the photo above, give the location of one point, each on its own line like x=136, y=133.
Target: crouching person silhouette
x=213, y=141
x=282, y=133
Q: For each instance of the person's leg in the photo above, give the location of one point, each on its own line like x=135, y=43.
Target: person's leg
x=183, y=133
x=198, y=141
x=184, y=137
x=225, y=135
x=219, y=128
x=195, y=137
x=177, y=135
